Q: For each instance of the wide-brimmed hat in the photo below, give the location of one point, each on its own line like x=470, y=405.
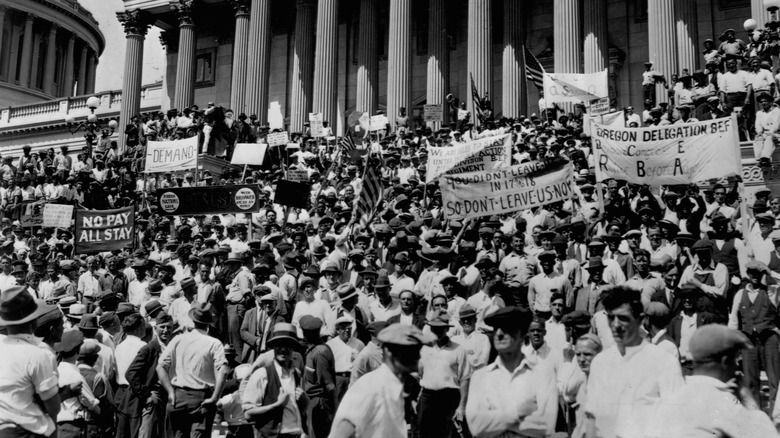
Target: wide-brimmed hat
x=330, y=267
x=346, y=291
x=89, y=323
x=201, y=313
x=155, y=287
x=382, y=281
x=283, y=333
x=152, y=306
x=17, y=306
x=234, y=257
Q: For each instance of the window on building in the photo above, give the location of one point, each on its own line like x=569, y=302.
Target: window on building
x=205, y=67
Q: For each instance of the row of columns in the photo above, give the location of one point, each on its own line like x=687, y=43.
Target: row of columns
x=83, y=79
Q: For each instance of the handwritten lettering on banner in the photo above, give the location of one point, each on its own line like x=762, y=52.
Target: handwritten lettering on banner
x=278, y=138
x=575, y=87
x=669, y=154
x=505, y=190
x=171, y=156
x=104, y=230
x=472, y=156
x=57, y=215
x=316, y=127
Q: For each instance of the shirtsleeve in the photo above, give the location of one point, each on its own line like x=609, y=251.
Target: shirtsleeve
x=254, y=392
x=45, y=378
x=218, y=354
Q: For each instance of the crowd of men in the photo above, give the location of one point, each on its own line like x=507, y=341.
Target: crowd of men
x=625, y=311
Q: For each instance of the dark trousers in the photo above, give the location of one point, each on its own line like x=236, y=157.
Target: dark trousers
x=435, y=412
x=235, y=315
x=765, y=356
x=17, y=432
x=187, y=418
x=342, y=384
x=71, y=429
x=648, y=93
x=128, y=423
x=319, y=416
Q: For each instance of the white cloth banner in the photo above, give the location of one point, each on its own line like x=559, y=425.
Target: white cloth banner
x=575, y=87
x=505, y=190
x=671, y=154
x=614, y=120
x=472, y=156
x=171, y=156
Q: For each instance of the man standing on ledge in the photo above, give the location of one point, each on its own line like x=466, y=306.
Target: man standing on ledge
x=198, y=365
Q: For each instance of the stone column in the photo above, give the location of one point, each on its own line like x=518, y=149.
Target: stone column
x=3, y=10
x=240, y=42
x=596, y=48
x=184, y=90
x=136, y=24
x=325, y=58
x=438, y=78
x=81, y=87
x=36, y=55
x=662, y=42
x=91, y=71
x=27, y=49
x=303, y=66
x=258, y=71
x=368, y=60
x=758, y=12
x=51, y=60
x=67, y=84
x=480, y=52
x=399, y=74
x=687, y=23
x=567, y=36
x=512, y=85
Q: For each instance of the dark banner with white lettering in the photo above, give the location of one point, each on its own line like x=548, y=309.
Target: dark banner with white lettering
x=188, y=201
x=104, y=230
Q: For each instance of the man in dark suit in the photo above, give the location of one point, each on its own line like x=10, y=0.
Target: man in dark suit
x=143, y=382
x=258, y=323
x=347, y=305
x=667, y=296
x=408, y=313
x=683, y=325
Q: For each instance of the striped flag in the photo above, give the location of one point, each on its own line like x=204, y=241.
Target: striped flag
x=533, y=70
x=477, y=100
x=370, y=194
x=347, y=144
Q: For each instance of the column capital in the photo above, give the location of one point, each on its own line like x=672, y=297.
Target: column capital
x=54, y=28
x=183, y=10
x=135, y=22
x=30, y=18
x=242, y=7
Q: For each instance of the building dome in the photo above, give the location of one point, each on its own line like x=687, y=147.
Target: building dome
x=48, y=49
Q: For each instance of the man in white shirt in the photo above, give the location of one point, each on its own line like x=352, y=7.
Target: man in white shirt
x=629, y=378
x=345, y=349
x=128, y=422
x=767, y=126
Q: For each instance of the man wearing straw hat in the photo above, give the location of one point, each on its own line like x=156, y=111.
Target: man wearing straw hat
x=29, y=399
x=274, y=399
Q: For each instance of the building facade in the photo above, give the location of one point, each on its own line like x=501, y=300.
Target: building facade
x=48, y=49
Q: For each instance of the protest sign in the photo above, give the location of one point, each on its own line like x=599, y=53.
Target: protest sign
x=32, y=214
x=472, y=156
x=239, y=198
x=171, y=155
x=616, y=119
x=377, y=123
x=292, y=194
x=249, y=153
x=432, y=113
x=505, y=190
x=296, y=175
x=599, y=106
x=57, y=215
x=278, y=138
x=315, y=125
x=104, y=230
x=670, y=154
x=573, y=87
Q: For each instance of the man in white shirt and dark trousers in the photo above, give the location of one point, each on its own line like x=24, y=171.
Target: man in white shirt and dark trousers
x=767, y=126
x=345, y=349
x=128, y=420
x=198, y=365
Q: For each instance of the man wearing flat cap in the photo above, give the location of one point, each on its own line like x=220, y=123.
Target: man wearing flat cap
x=374, y=405
x=529, y=391
x=754, y=312
x=712, y=403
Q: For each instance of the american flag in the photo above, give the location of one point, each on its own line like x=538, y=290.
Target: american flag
x=347, y=144
x=533, y=70
x=370, y=194
x=477, y=100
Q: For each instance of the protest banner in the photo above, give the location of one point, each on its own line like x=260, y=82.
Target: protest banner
x=292, y=194
x=31, y=214
x=377, y=123
x=615, y=119
x=296, y=175
x=171, y=155
x=252, y=154
x=57, y=215
x=315, y=125
x=238, y=198
x=574, y=87
x=104, y=230
x=278, y=138
x=484, y=154
x=599, y=106
x=432, y=113
x=505, y=190
x=670, y=154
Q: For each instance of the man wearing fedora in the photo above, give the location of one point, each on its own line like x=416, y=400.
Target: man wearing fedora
x=347, y=305
x=76, y=410
x=374, y=406
x=180, y=307
x=258, y=323
x=106, y=362
x=345, y=349
x=136, y=289
x=128, y=413
x=476, y=343
x=274, y=399
x=192, y=370
x=29, y=399
x=239, y=290
x=384, y=306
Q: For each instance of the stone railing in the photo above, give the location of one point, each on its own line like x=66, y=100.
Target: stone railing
x=55, y=111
